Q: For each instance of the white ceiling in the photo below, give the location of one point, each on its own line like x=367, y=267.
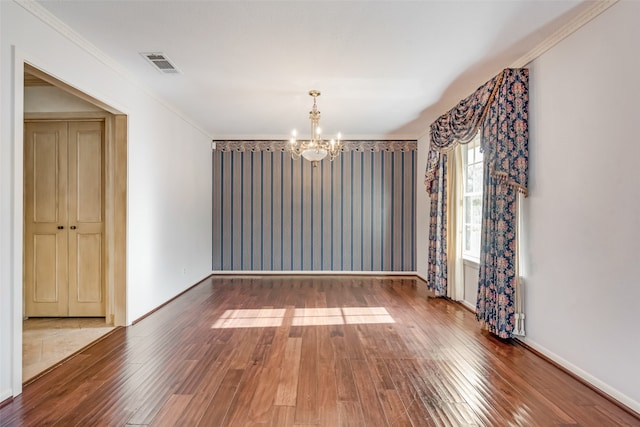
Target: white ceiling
x=386, y=69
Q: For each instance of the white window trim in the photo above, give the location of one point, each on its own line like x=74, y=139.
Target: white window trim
x=466, y=256
x=471, y=262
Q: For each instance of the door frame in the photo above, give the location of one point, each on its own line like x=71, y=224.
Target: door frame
x=114, y=231
x=116, y=211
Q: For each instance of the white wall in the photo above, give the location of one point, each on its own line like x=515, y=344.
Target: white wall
x=583, y=213
x=169, y=181
x=44, y=99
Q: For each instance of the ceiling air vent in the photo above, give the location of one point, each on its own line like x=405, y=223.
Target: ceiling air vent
x=160, y=62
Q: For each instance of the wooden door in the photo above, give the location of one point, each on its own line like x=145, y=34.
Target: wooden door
x=45, y=243
x=64, y=219
x=86, y=219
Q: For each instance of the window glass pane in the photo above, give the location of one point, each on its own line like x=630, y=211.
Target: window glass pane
x=476, y=185
x=468, y=239
x=477, y=154
x=476, y=211
x=469, y=184
x=475, y=242
x=472, y=198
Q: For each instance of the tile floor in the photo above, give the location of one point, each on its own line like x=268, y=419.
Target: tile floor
x=47, y=341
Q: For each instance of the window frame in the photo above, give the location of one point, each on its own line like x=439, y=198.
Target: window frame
x=476, y=194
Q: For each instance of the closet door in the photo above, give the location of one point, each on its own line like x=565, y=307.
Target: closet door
x=86, y=219
x=64, y=219
x=46, y=289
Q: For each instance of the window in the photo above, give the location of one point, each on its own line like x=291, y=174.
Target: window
x=471, y=199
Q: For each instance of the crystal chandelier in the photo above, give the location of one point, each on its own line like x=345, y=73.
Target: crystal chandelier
x=315, y=149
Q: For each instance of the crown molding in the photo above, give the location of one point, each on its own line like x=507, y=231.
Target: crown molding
x=556, y=37
x=562, y=33
x=51, y=20
x=54, y=22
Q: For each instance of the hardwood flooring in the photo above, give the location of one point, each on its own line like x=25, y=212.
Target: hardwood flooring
x=308, y=351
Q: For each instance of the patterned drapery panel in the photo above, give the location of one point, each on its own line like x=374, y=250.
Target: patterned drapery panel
x=500, y=107
x=437, y=273
x=505, y=143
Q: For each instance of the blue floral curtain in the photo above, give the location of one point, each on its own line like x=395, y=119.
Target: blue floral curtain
x=505, y=141
x=437, y=188
x=500, y=108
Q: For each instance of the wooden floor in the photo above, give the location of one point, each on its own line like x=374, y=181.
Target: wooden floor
x=308, y=351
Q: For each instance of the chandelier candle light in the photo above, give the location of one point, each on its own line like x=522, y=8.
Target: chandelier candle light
x=315, y=149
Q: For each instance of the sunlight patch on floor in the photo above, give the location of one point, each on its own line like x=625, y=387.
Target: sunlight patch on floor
x=274, y=317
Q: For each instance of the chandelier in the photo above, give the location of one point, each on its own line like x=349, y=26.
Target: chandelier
x=315, y=149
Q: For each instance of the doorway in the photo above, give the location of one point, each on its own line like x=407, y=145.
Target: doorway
x=74, y=204
x=64, y=218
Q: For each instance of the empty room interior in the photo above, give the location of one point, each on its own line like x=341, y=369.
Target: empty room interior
x=312, y=213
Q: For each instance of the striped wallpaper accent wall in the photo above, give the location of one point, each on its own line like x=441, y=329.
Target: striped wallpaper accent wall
x=273, y=213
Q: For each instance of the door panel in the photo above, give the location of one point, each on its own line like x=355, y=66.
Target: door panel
x=46, y=293
x=45, y=174
x=87, y=175
x=86, y=296
x=45, y=254
x=89, y=250
x=86, y=213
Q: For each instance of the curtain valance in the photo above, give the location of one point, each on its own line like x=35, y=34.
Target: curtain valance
x=498, y=107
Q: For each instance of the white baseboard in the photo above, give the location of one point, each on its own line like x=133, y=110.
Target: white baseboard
x=468, y=305
x=313, y=273
x=585, y=376
x=4, y=395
